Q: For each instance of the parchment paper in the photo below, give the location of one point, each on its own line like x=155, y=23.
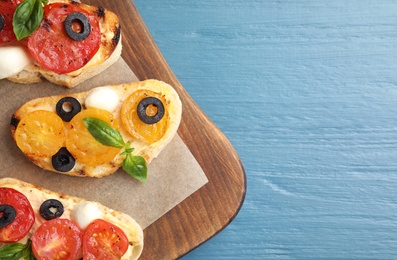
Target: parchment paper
x=172, y=176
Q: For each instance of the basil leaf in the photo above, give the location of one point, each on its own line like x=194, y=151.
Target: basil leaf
x=103, y=132
x=136, y=167
x=27, y=18
x=127, y=151
x=27, y=253
x=15, y=251
x=29, y=256
x=106, y=135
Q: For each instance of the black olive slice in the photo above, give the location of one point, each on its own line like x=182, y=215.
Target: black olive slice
x=67, y=108
x=2, y=22
x=7, y=215
x=63, y=161
x=51, y=209
x=80, y=21
x=142, y=106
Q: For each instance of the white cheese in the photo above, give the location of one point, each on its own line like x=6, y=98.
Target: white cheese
x=84, y=213
x=103, y=98
x=13, y=59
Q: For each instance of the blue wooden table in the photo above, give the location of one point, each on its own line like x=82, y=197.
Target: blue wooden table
x=306, y=91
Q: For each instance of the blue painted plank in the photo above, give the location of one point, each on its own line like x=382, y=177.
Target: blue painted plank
x=306, y=91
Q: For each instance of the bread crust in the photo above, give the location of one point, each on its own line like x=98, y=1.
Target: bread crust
x=108, y=53
x=130, y=227
x=149, y=152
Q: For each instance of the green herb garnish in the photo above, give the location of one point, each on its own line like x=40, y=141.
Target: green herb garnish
x=17, y=251
x=27, y=17
x=106, y=135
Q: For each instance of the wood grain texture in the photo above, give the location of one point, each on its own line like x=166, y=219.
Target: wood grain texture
x=211, y=208
x=313, y=87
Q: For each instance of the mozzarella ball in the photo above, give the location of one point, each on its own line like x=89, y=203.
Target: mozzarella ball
x=13, y=59
x=85, y=212
x=102, y=98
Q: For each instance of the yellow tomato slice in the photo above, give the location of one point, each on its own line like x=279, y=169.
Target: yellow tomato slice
x=83, y=146
x=149, y=133
x=40, y=134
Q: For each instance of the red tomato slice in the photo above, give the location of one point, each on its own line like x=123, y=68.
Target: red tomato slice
x=52, y=48
x=103, y=240
x=24, y=219
x=7, y=10
x=57, y=239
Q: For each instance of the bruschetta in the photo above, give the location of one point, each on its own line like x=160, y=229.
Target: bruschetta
x=73, y=43
x=94, y=133
x=49, y=225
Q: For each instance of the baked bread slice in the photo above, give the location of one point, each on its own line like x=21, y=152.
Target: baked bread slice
x=109, y=52
x=118, y=106
x=37, y=195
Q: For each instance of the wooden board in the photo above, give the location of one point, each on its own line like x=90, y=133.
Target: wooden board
x=211, y=208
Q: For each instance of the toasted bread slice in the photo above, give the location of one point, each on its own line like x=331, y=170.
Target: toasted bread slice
x=37, y=195
x=142, y=147
x=109, y=52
